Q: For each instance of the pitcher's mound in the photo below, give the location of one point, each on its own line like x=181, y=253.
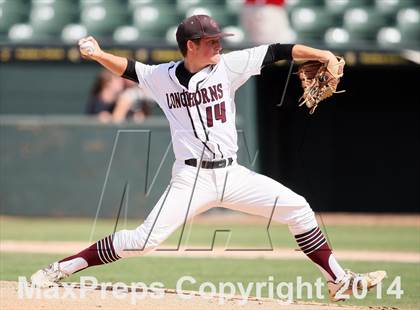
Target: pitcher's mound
x=23, y=297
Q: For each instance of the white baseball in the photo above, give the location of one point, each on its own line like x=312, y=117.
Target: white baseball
x=88, y=47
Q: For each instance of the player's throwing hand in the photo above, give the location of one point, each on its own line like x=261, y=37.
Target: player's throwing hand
x=89, y=48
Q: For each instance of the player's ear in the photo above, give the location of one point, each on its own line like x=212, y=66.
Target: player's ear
x=192, y=45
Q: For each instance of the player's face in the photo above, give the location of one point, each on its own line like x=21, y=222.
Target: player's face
x=208, y=50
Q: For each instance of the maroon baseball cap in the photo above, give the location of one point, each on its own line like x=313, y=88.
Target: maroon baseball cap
x=199, y=26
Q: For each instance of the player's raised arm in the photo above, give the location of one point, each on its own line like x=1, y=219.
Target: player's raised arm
x=90, y=49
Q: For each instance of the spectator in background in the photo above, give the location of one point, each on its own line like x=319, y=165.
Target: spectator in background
x=133, y=103
x=114, y=99
x=104, y=95
x=266, y=21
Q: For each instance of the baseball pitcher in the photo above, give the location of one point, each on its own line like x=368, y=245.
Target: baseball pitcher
x=197, y=96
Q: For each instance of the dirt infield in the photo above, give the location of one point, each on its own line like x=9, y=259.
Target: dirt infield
x=16, y=298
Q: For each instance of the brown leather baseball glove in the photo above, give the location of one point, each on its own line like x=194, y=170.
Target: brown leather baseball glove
x=319, y=81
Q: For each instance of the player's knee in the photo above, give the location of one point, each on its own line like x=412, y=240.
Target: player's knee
x=147, y=238
x=135, y=242
x=303, y=219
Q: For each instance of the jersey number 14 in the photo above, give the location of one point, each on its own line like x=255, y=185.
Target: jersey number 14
x=219, y=113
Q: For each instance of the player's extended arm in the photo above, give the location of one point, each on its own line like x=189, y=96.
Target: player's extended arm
x=277, y=51
x=90, y=49
x=303, y=52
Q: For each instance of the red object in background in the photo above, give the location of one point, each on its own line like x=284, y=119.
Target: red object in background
x=260, y=2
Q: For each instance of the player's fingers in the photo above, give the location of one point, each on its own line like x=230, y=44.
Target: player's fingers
x=81, y=41
x=86, y=54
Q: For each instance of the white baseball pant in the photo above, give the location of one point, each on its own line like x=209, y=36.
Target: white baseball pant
x=189, y=194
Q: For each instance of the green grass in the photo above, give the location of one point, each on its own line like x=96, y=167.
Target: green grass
x=169, y=270
x=381, y=238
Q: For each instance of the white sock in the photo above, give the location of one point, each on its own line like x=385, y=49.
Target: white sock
x=73, y=265
x=336, y=268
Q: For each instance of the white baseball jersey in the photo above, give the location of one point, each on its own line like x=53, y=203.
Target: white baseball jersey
x=202, y=116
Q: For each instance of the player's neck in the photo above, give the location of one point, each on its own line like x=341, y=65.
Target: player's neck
x=193, y=66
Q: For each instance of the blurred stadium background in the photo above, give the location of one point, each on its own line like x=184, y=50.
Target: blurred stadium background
x=385, y=23
x=359, y=152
